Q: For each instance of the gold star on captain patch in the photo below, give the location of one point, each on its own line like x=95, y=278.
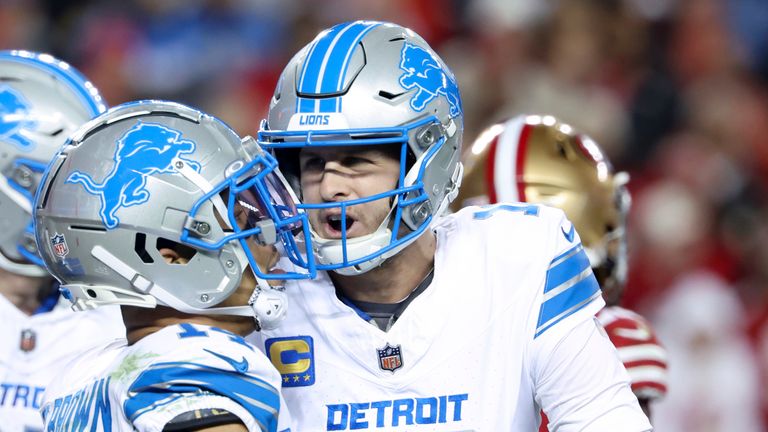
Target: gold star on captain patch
x=306, y=377
x=286, y=379
x=295, y=378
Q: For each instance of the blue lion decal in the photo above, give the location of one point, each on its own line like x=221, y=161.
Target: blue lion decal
x=14, y=117
x=424, y=72
x=144, y=150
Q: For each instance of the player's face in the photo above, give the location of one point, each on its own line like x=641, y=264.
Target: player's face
x=338, y=174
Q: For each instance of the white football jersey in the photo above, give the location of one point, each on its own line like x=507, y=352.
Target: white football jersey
x=179, y=369
x=33, y=349
x=506, y=328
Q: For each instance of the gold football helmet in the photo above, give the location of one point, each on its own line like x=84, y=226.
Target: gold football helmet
x=539, y=159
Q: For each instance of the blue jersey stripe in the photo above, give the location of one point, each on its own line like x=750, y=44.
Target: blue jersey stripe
x=570, y=300
x=164, y=382
x=564, y=314
x=566, y=267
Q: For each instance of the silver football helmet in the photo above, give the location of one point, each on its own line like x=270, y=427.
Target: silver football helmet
x=151, y=175
x=371, y=83
x=42, y=101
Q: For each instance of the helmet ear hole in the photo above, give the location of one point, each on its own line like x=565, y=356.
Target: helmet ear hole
x=183, y=253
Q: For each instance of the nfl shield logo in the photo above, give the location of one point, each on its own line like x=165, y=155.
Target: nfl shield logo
x=27, y=342
x=59, y=245
x=390, y=358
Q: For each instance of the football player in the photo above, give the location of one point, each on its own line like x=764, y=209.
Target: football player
x=539, y=159
x=165, y=211
x=42, y=101
x=423, y=323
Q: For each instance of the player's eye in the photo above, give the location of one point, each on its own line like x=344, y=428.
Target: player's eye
x=312, y=164
x=355, y=161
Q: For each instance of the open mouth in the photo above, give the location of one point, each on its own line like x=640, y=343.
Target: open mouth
x=336, y=225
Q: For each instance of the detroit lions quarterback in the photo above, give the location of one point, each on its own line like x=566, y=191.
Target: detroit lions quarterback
x=166, y=212
x=539, y=159
x=42, y=100
x=420, y=322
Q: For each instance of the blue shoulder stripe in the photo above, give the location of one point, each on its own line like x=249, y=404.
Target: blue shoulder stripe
x=565, y=267
x=162, y=383
x=570, y=285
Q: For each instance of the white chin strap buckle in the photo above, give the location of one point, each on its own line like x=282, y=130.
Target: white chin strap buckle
x=269, y=307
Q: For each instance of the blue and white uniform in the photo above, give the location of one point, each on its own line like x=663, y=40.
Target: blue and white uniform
x=33, y=349
x=505, y=329
x=181, y=368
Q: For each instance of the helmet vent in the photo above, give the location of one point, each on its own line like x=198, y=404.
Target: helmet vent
x=86, y=228
x=399, y=38
x=140, y=247
x=389, y=96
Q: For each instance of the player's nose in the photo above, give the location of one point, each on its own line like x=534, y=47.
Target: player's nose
x=335, y=184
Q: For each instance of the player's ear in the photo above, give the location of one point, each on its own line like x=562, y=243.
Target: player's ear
x=174, y=252
x=170, y=255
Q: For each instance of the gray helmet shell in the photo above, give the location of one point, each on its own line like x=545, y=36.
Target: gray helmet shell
x=42, y=101
x=126, y=181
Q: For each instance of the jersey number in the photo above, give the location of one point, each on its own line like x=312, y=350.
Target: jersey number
x=526, y=209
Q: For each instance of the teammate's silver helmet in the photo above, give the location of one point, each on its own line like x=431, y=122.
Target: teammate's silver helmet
x=150, y=174
x=42, y=101
x=370, y=83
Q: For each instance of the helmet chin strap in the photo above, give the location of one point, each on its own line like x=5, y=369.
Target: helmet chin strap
x=267, y=305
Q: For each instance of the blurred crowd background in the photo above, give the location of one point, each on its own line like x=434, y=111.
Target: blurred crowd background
x=676, y=91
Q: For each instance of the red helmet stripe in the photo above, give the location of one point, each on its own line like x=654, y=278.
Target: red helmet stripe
x=522, y=148
x=490, y=170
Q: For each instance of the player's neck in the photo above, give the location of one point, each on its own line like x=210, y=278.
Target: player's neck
x=23, y=291
x=142, y=322
x=396, y=278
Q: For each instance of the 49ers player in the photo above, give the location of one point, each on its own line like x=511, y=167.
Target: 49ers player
x=539, y=159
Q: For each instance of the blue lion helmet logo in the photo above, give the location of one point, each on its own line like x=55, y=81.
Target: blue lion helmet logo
x=144, y=150
x=424, y=72
x=14, y=118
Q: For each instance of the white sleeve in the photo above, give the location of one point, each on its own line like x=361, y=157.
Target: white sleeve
x=581, y=384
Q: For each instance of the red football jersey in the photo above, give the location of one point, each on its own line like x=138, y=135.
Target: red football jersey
x=639, y=350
